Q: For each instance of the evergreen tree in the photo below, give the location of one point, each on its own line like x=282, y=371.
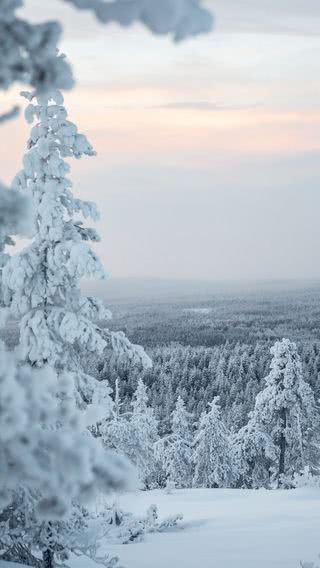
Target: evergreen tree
x=144, y=432
x=285, y=411
x=178, y=453
x=133, y=434
x=42, y=287
x=46, y=460
x=42, y=282
x=212, y=451
x=254, y=454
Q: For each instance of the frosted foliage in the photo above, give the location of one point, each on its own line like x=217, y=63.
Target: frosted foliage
x=134, y=435
x=133, y=353
x=285, y=415
x=179, y=18
x=15, y=217
x=254, y=453
x=80, y=533
x=42, y=283
x=212, y=451
x=175, y=451
x=15, y=211
x=42, y=441
x=143, y=426
x=28, y=52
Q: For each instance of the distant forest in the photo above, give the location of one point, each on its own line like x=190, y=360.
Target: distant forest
x=214, y=346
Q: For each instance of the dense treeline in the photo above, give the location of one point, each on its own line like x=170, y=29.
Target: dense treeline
x=234, y=372
x=278, y=443
x=218, y=347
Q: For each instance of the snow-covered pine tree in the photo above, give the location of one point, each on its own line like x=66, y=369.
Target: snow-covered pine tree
x=46, y=460
x=144, y=432
x=286, y=412
x=42, y=442
x=134, y=434
x=254, y=453
x=42, y=282
x=42, y=287
x=177, y=448
x=212, y=452
x=115, y=428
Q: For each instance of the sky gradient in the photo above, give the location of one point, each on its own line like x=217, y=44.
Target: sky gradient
x=208, y=151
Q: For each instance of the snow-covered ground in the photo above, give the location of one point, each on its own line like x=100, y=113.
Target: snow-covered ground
x=224, y=529
x=227, y=529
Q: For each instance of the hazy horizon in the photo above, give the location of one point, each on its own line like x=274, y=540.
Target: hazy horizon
x=144, y=288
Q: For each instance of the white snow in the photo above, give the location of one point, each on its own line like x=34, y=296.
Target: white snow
x=225, y=528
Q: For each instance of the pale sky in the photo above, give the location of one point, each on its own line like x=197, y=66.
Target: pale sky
x=208, y=151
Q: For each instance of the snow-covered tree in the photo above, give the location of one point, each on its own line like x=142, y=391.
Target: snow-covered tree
x=52, y=543
x=28, y=53
x=175, y=450
x=48, y=463
x=212, y=451
x=115, y=428
x=144, y=432
x=47, y=459
x=42, y=441
x=42, y=282
x=286, y=412
x=42, y=288
x=254, y=454
x=134, y=434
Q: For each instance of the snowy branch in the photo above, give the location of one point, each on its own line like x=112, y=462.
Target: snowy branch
x=12, y=113
x=179, y=18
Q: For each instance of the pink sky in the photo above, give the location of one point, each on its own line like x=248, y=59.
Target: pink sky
x=197, y=144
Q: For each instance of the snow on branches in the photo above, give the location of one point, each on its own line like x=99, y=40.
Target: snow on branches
x=179, y=18
x=43, y=446
x=175, y=450
x=212, y=450
x=28, y=52
x=42, y=282
x=281, y=436
x=15, y=217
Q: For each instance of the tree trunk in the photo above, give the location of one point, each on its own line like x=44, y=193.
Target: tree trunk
x=48, y=559
x=48, y=554
x=282, y=444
